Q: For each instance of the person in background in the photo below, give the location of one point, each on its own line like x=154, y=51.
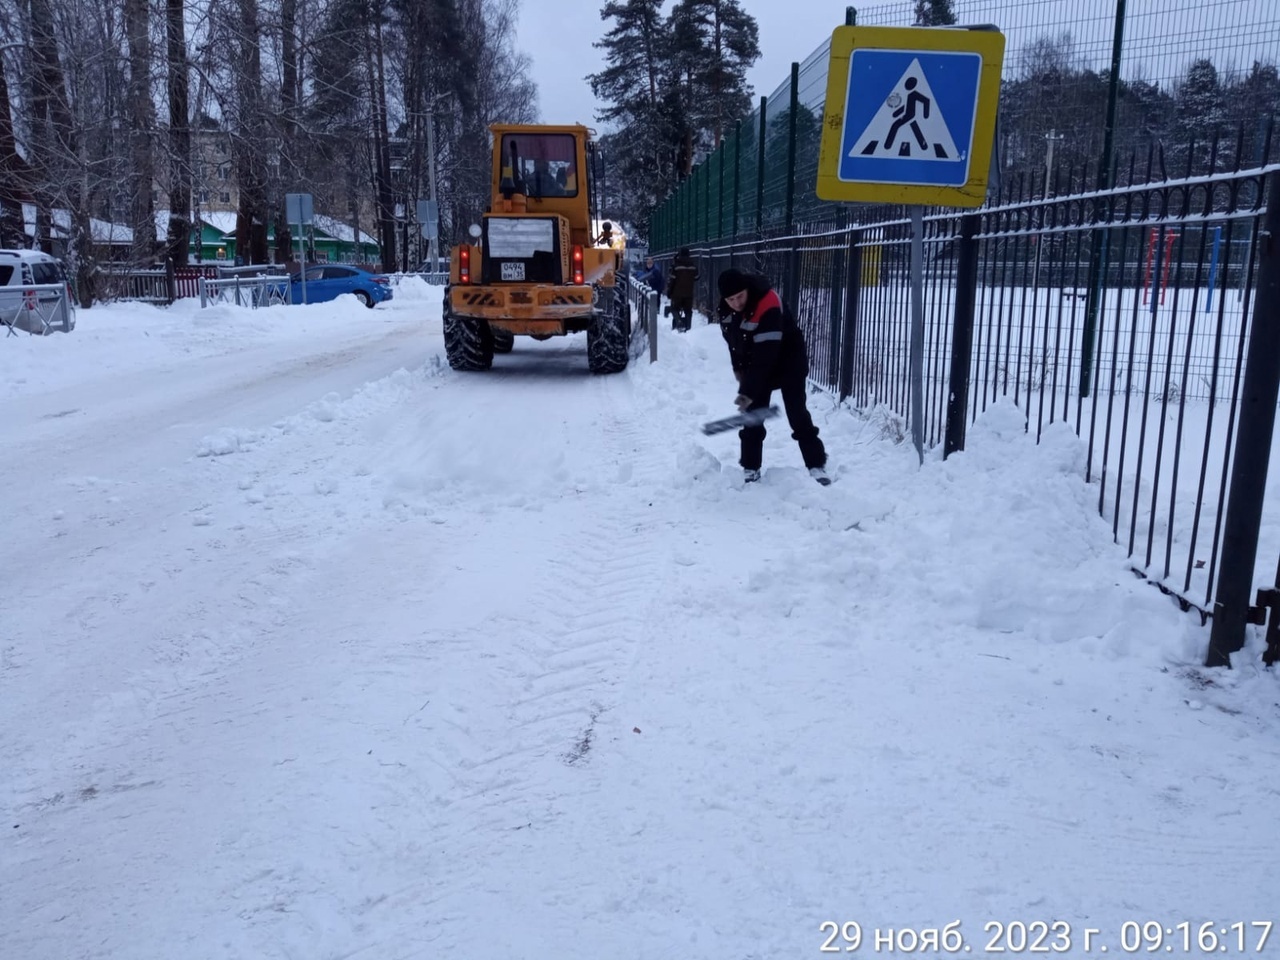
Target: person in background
x=680, y=287
x=651, y=275
x=768, y=352
x=543, y=183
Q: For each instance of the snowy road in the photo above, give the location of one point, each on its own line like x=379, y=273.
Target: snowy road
x=312, y=648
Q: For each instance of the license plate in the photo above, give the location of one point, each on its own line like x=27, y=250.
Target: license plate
x=513, y=271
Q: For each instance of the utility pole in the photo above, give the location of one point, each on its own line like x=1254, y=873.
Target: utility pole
x=433, y=242
x=1053, y=137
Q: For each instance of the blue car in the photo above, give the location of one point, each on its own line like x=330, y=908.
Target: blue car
x=329, y=281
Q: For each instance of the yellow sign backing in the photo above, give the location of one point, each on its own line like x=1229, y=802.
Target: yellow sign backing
x=910, y=115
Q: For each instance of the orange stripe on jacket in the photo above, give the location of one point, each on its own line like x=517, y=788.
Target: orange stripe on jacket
x=767, y=302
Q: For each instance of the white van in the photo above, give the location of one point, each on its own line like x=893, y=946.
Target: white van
x=39, y=311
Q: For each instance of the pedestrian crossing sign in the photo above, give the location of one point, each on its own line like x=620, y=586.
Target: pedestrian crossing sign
x=910, y=115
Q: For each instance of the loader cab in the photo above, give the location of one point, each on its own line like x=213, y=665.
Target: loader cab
x=539, y=165
x=542, y=170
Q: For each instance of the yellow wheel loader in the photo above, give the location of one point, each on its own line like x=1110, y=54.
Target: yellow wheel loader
x=532, y=267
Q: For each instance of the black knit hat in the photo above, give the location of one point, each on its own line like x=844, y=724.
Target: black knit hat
x=732, y=281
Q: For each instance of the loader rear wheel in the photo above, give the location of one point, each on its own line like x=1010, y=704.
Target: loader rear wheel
x=467, y=343
x=503, y=341
x=608, y=335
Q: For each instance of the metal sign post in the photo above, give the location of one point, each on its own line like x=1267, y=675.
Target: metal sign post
x=910, y=119
x=298, y=209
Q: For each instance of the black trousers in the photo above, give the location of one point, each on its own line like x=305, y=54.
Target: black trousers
x=803, y=431
x=681, y=313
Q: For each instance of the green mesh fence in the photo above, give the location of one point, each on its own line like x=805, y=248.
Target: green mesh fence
x=812, y=97
x=776, y=146
x=714, y=182
x=1198, y=84
x=749, y=173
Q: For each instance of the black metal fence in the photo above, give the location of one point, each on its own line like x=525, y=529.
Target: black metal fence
x=1146, y=364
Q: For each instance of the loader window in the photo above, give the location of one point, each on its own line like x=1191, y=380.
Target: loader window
x=545, y=162
x=520, y=238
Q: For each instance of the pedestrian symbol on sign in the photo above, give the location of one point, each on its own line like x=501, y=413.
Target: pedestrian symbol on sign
x=908, y=125
x=909, y=116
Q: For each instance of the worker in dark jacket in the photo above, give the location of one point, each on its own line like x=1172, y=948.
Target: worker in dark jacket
x=767, y=350
x=651, y=276
x=680, y=287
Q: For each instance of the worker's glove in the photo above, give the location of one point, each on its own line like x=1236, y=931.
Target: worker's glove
x=742, y=401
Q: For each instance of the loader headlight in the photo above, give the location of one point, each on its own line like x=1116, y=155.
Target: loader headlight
x=474, y=230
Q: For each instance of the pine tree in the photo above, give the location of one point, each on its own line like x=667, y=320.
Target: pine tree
x=934, y=13
x=636, y=48
x=673, y=87
x=1199, y=96
x=714, y=43
x=1145, y=113
x=734, y=46
x=1200, y=112
x=1256, y=97
x=634, y=90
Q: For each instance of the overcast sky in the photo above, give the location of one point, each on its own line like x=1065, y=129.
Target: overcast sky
x=560, y=45
x=1161, y=36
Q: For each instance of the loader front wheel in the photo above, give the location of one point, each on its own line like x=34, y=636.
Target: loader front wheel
x=608, y=334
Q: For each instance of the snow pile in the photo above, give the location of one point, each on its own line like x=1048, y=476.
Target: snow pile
x=314, y=647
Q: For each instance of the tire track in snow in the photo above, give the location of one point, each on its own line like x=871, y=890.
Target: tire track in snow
x=595, y=645
x=564, y=658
